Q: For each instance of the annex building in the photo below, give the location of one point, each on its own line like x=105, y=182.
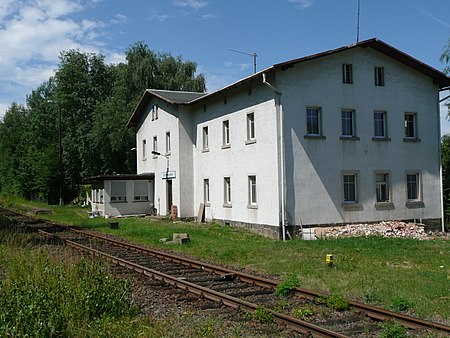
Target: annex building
x=347, y=135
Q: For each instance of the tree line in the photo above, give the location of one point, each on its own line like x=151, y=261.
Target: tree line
x=94, y=101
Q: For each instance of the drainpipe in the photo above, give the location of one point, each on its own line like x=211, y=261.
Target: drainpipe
x=281, y=152
x=441, y=183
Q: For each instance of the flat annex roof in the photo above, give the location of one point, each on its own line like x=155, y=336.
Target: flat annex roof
x=120, y=177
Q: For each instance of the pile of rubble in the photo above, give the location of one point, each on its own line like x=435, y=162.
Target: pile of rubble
x=383, y=229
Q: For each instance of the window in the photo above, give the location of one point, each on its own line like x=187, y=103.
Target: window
x=313, y=121
x=205, y=138
x=347, y=74
x=227, y=191
x=155, y=143
x=226, y=133
x=118, y=192
x=412, y=186
x=250, y=127
x=140, y=191
x=206, y=191
x=168, y=142
x=144, y=149
x=252, y=200
x=350, y=188
x=379, y=124
x=379, y=76
x=101, y=192
x=155, y=112
x=382, y=187
x=348, y=123
x=410, y=126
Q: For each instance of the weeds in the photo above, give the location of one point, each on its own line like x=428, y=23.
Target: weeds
x=303, y=313
x=336, y=302
x=392, y=330
x=400, y=304
x=285, y=287
x=263, y=315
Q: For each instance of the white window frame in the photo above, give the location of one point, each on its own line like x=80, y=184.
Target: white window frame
x=344, y=119
x=376, y=122
x=168, y=145
x=155, y=112
x=347, y=73
x=382, y=187
x=155, y=145
x=144, y=149
x=118, y=197
x=251, y=136
x=226, y=133
x=205, y=138
x=313, y=119
x=137, y=195
x=206, y=192
x=351, y=187
x=414, y=126
x=252, y=192
x=227, y=191
x=418, y=186
x=379, y=76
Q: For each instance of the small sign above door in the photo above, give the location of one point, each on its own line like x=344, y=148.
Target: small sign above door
x=168, y=175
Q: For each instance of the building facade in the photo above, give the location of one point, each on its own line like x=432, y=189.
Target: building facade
x=348, y=135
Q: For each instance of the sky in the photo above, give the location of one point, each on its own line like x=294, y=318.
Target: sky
x=34, y=32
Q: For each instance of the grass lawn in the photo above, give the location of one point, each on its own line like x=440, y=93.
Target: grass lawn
x=400, y=274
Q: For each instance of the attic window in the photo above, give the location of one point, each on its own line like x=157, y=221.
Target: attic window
x=155, y=112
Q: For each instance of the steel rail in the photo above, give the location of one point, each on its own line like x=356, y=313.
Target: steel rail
x=371, y=311
x=218, y=297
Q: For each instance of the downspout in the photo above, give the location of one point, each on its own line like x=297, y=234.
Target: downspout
x=441, y=183
x=281, y=152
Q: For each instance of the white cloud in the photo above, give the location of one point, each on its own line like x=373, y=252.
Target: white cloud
x=32, y=35
x=119, y=19
x=194, y=4
x=302, y=4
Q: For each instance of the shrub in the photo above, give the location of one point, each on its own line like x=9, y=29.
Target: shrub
x=336, y=302
x=285, y=287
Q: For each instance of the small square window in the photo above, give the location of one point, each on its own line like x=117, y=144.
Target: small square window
x=347, y=73
x=379, y=76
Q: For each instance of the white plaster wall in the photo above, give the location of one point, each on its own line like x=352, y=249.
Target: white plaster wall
x=167, y=122
x=239, y=160
x=314, y=167
x=130, y=207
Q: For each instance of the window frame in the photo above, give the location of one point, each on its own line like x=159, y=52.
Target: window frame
x=206, y=192
x=140, y=198
x=418, y=186
x=144, y=149
x=205, y=138
x=347, y=73
x=118, y=198
x=227, y=191
x=251, y=132
x=352, y=120
x=345, y=198
x=384, y=125
x=379, y=184
x=310, y=124
x=252, y=192
x=415, y=128
x=155, y=145
x=226, y=143
x=168, y=145
x=379, y=77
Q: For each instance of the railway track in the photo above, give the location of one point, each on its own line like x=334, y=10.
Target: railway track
x=235, y=289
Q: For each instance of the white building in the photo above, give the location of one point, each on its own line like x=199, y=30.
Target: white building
x=348, y=135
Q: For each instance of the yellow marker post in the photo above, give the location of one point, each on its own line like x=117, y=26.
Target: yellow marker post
x=329, y=260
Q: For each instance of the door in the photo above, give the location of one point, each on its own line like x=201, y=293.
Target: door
x=169, y=195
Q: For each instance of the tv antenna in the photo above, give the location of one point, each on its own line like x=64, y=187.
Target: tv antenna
x=357, y=24
x=250, y=54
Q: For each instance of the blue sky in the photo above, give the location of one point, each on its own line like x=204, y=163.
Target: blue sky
x=33, y=32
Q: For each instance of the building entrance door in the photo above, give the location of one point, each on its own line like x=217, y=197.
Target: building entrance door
x=169, y=195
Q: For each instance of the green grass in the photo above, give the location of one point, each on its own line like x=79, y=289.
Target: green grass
x=376, y=270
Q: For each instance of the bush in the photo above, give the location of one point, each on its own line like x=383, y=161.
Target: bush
x=285, y=287
x=336, y=302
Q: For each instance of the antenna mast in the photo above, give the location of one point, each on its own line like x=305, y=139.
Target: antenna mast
x=250, y=54
x=357, y=26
